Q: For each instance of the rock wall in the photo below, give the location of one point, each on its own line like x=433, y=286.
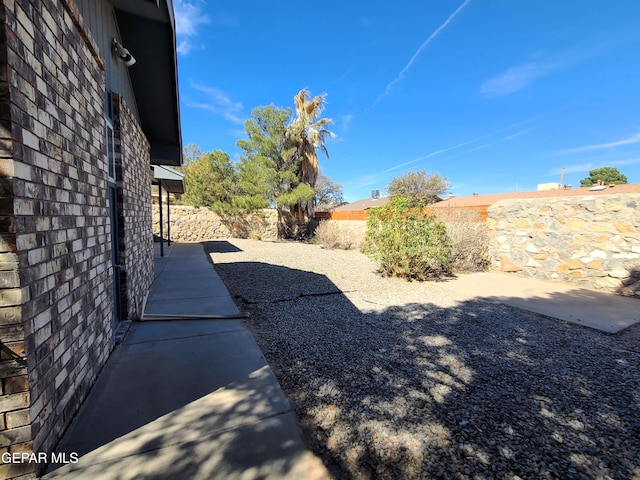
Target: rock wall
x=592, y=241
x=197, y=224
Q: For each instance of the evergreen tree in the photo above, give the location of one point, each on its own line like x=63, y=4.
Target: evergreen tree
x=210, y=181
x=268, y=168
x=604, y=176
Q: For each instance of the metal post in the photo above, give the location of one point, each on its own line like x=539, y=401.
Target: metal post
x=160, y=209
x=168, y=218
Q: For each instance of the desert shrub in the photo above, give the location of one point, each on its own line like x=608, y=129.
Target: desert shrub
x=469, y=239
x=407, y=242
x=335, y=234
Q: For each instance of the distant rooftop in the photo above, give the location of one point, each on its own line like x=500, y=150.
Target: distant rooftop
x=364, y=204
x=484, y=200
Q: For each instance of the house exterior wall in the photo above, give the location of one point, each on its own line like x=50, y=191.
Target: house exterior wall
x=56, y=274
x=592, y=241
x=100, y=21
x=134, y=195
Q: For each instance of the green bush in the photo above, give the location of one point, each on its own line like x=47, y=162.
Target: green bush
x=407, y=241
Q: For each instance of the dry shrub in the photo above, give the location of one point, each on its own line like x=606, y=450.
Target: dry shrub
x=469, y=238
x=339, y=234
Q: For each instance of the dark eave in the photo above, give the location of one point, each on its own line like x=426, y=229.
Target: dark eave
x=147, y=28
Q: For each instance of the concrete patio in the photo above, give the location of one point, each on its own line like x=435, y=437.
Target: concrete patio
x=188, y=398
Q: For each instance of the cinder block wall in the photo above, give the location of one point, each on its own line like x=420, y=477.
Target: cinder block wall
x=56, y=276
x=133, y=173
x=592, y=241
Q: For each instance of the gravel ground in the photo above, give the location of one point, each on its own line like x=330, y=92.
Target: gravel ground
x=396, y=380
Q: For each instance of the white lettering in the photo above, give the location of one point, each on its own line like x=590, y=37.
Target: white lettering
x=39, y=457
x=62, y=457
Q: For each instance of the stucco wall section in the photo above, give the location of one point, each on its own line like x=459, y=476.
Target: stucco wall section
x=592, y=241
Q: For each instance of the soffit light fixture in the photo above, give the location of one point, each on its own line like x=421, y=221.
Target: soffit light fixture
x=123, y=54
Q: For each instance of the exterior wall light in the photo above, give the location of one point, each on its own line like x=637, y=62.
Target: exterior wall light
x=122, y=53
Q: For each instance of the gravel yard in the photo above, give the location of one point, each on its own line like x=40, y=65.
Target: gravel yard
x=395, y=380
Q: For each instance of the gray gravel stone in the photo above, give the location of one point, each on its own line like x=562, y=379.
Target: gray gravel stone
x=392, y=379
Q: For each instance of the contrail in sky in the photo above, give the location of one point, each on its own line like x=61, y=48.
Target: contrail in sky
x=422, y=47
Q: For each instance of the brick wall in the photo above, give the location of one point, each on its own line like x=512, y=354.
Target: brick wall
x=55, y=306
x=591, y=240
x=133, y=175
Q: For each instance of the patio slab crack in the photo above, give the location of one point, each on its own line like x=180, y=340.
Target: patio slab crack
x=293, y=299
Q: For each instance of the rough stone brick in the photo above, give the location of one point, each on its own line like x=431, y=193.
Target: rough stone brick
x=14, y=402
x=9, y=279
x=16, y=435
x=18, y=418
x=16, y=384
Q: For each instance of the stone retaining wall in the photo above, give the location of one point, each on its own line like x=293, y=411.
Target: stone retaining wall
x=592, y=241
x=197, y=224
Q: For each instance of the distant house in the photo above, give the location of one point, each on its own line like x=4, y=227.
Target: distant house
x=352, y=211
x=88, y=102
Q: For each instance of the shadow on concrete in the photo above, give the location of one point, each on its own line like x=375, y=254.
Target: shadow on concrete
x=478, y=390
x=154, y=414
x=631, y=284
x=186, y=398
x=219, y=246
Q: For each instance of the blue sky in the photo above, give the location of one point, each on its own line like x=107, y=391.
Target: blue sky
x=496, y=95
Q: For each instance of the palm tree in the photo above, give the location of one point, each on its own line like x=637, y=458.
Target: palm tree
x=310, y=132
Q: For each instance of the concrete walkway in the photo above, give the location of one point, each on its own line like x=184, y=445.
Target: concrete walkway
x=603, y=311
x=189, y=398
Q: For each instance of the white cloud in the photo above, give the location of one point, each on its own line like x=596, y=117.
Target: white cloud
x=578, y=168
x=431, y=37
x=189, y=17
x=539, y=65
x=503, y=139
x=517, y=134
x=218, y=103
x=602, y=146
x=346, y=122
x=628, y=161
x=518, y=77
x=377, y=177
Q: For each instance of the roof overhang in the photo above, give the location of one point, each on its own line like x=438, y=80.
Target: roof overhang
x=172, y=181
x=147, y=28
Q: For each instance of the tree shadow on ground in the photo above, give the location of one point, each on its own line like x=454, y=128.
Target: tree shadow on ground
x=216, y=424
x=219, y=246
x=631, y=284
x=477, y=390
